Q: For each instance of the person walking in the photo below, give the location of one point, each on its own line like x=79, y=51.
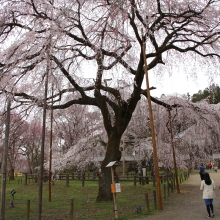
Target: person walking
x=209, y=166
x=208, y=187
x=202, y=170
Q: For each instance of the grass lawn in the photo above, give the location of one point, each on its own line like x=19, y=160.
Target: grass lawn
x=85, y=205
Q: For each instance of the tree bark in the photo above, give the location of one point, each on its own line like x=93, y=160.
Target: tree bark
x=112, y=154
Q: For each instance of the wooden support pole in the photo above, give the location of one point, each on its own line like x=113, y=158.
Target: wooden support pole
x=51, y=144
x=123, y=155
x=160, y=205
x=4, y=161
x=114, y=194
x=40, y=191
x=174, y=155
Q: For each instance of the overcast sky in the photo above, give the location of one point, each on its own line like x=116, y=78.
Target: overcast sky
x=180, y=84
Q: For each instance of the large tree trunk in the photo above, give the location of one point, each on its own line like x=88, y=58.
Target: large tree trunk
x=112, y=154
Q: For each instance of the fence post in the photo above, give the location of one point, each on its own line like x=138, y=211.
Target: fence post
x=155, y=199
x=165, y=192
x=25, y=179
x=83, y=179
x=153, y=178
x=140, y=180
x=28, y=209
x=135, y=180
x=71, y=208
x=168, y=188
x=35, y=178
x=67, y=180
x=147, y=180
x=172, y=185
x=143, y=180
x=147, y=203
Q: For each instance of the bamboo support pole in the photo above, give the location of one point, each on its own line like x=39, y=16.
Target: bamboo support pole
x=160, y=205
x=174, y=155
x=114, y=194
x=4, y=161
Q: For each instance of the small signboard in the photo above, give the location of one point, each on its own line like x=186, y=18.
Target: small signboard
x=116, y=187
x=111, y=164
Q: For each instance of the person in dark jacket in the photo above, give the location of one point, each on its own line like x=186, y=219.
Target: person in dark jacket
x=202, y=170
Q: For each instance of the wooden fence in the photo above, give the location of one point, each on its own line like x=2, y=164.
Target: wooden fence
x=169, y=177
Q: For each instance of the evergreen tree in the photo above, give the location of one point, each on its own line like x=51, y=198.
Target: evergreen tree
x=211, y=95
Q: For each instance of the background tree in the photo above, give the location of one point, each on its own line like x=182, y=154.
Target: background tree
x=18, y=128
x=71, y=124
x=211, y=95
x=30, y=144
x=101, y=39
x=195, y=128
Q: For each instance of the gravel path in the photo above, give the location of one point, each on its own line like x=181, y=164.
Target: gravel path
x=189, y=205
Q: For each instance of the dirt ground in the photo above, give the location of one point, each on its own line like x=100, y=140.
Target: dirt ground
x=189, y=205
